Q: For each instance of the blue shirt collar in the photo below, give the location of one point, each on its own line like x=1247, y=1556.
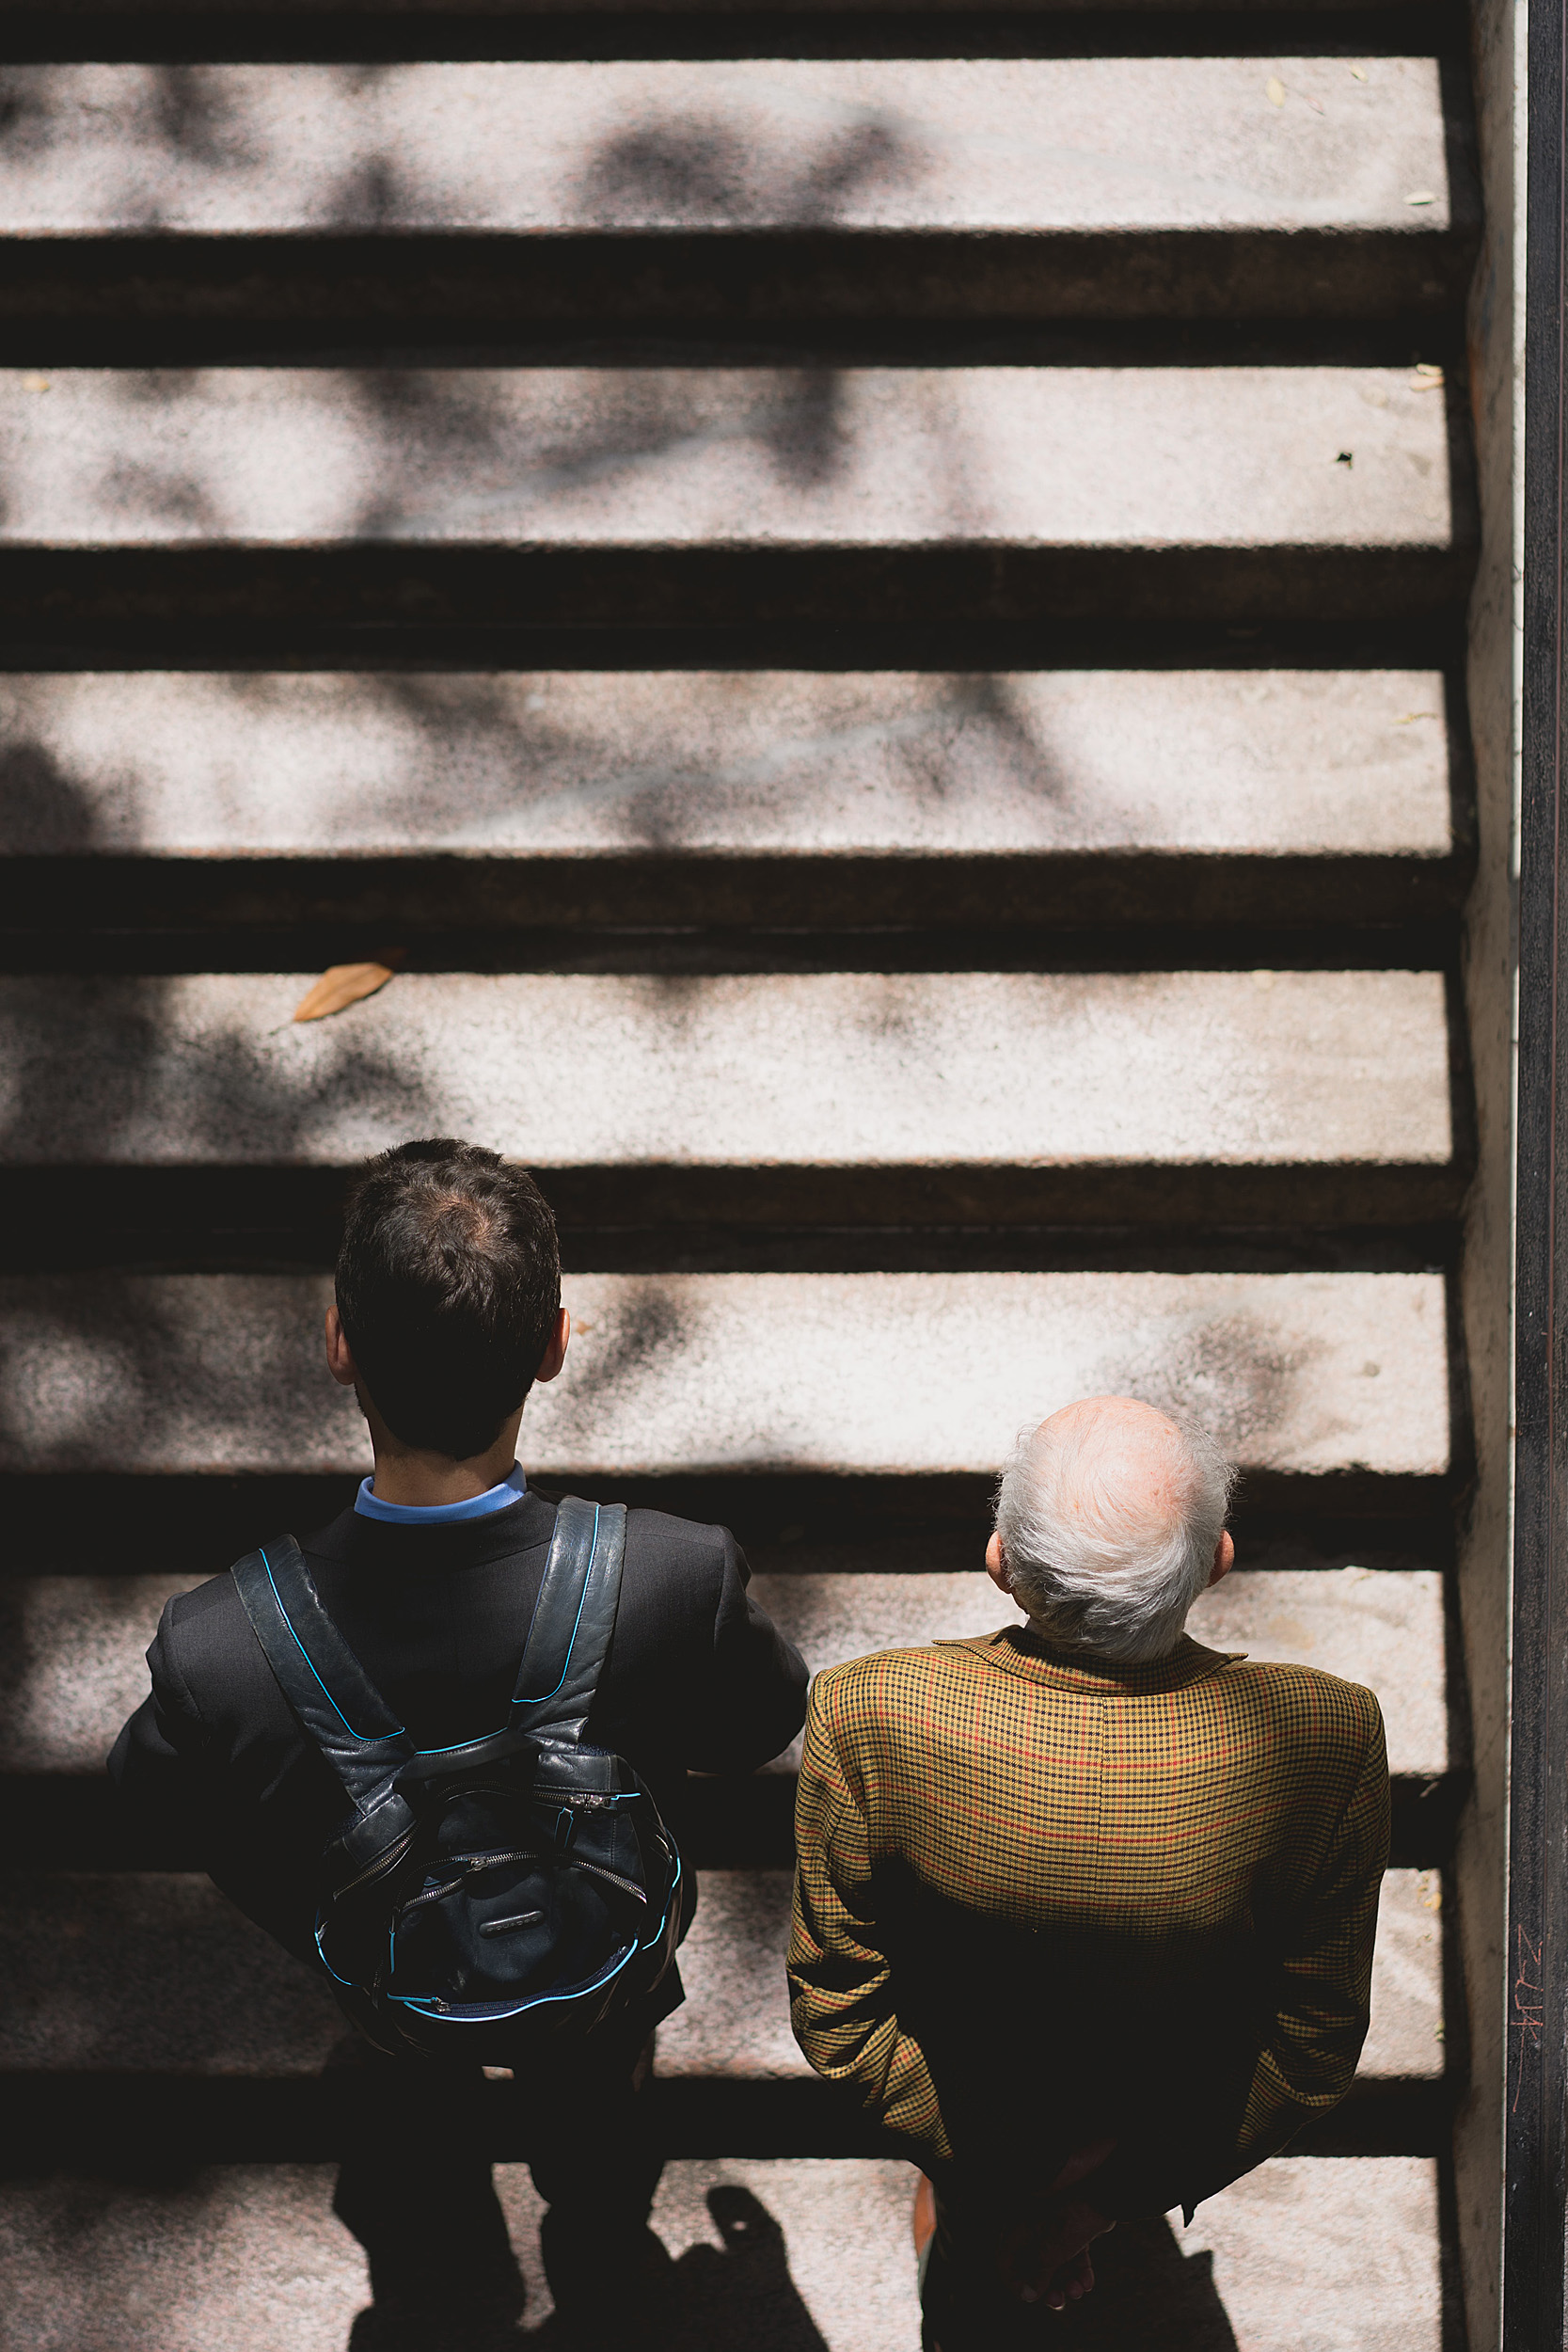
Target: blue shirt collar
x=369, y=1506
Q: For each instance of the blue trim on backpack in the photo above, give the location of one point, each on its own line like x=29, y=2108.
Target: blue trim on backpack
x=326, y=1963
x=649, y=1941
x=538, y=1697
x=366, y=1739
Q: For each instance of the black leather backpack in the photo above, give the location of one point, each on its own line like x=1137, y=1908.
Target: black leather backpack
x=500, y=1901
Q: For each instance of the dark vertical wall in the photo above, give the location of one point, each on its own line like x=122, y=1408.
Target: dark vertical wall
x=1486, y=1267
x=1537, y=1971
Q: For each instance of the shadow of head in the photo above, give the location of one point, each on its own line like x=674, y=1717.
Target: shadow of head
x=744, y=2223
x=742, y=2299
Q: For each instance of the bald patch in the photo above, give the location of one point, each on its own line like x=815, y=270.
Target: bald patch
x=1116, y=1460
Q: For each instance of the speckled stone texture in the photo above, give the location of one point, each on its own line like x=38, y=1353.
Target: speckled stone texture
x=1084, y=143
x=822, y=1069
x=1306, y=2255
x=71, y=1647
x=567, y=763
x=1384, y=1628
x=680, y=458
x=1303, y=1373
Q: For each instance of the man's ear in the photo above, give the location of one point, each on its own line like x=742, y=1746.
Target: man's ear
x=555, y=1354
x=1224, y=1558
x=996, y=1566
x=340, y=1356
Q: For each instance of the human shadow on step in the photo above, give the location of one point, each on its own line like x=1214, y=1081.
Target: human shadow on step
x=742, y=2299
x=1149, y=2297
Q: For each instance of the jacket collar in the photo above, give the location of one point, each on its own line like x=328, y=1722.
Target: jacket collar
x=1018, y=1650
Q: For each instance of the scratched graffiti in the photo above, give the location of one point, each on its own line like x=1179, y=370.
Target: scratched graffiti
x=1529, y=2000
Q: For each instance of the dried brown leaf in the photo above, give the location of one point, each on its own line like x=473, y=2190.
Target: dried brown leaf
x=340, y=986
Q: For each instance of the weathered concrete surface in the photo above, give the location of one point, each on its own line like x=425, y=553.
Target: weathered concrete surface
x=74, y=1666
x=73, y=1646
x=738, y=458
x=1381, y=1628
x=787, y=2257
x=1325, y=2255
x=1408, y=2031
x=156, y=1972
x=153, y=1971
x=811, y=2257
x=751, y=1372
x=577, y=764
x=823, y=1070
x=239, y=2259
x=1038, y=145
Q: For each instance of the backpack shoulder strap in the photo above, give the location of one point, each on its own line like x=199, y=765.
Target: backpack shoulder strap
x=573, y=1620
x=334, y=1700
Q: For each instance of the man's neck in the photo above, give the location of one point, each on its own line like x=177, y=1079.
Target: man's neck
x=420, y=1481
x=423, y=1481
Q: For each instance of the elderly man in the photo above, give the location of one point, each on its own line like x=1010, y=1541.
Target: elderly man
x=1084, y=1912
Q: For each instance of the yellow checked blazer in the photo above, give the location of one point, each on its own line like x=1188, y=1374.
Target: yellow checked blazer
x=1041, y=1898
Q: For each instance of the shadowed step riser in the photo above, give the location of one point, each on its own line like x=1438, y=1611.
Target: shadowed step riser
x=293, y=593
x=53, y=1822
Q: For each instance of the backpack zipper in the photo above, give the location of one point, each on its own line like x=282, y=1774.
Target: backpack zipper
x=384, y=1861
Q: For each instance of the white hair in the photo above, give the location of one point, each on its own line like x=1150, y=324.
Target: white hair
x=1097, y=1563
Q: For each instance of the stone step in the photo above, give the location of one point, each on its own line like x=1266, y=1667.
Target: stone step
x=763, y=1374
x=850, y=1097
x=78, y=1643
x=429, y=800
x=1011, y=188
x=781, y=2255
x=156, y=1973
x=671, y=493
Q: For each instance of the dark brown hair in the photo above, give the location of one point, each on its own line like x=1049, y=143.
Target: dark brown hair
x=449, y=1285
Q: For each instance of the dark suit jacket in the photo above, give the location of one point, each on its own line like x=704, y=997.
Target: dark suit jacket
x=698, y=1678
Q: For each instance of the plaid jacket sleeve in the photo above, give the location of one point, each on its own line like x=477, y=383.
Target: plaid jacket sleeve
x=1307, y=2063
x=840, y=1979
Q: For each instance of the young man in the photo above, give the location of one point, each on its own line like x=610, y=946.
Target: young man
x=448, y=1309
x=1083, y=1910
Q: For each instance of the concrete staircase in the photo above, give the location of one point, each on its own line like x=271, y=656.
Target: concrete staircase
x=873, y=602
